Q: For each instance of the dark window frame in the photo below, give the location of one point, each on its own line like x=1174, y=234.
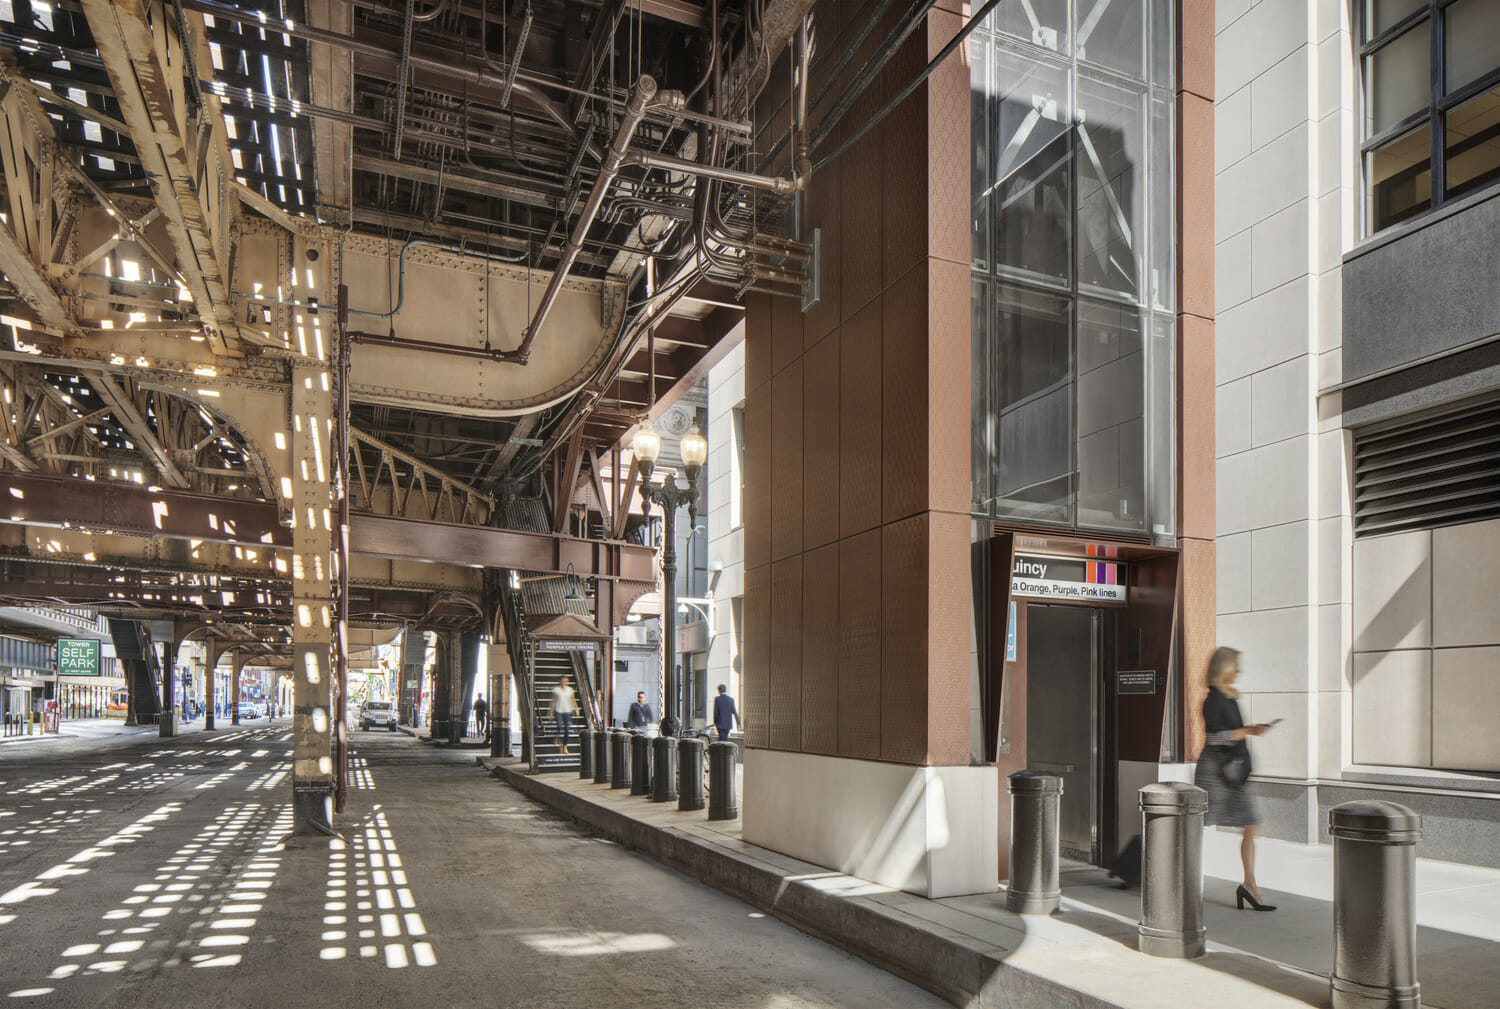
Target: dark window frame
x=1439, y=104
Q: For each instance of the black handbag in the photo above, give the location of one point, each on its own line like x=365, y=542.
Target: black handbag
x=1234, y=768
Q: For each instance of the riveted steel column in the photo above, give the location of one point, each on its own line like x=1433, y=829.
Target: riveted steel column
x=1374, y=905
x=601, y=757
x=619, y=758
x=690, y=774
x=585, y=753
x=1172, y=870
x=723, y=789
x=1035, y=887
x=664, y=769
x=640, y=764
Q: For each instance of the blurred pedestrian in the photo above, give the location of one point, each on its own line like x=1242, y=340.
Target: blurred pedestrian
x=726, y=716
x=640, y=713
x=481, y=714
x=564, y=705
x=1224, y=767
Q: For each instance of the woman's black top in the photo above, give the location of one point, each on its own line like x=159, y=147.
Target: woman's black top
x=1221, y=713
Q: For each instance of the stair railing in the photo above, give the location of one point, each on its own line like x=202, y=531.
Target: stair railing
x=591, y=708
x=521, y=658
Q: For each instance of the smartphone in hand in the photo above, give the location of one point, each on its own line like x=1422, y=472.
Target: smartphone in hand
x=1273, y=723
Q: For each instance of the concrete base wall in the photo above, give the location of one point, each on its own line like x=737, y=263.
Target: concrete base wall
x=927, y=830
x=1455, y=827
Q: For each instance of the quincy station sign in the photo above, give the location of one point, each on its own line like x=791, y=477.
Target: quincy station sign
x=1070, y=579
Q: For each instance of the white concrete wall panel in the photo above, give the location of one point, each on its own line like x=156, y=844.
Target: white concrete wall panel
x=1466, y=703
x=1266, y=330
x=1232, y=563
x=1281, y=401
x=1279, y=568
x=1393, y=708
x=927, y=830
x=1278, y=647
x=1265, y=486
x=1393, y=591
x=1466, y=588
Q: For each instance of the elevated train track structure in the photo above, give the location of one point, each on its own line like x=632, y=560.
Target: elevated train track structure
x=297, y=294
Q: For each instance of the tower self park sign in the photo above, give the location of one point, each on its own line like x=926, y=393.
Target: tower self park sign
x=77, y=657
x=1072, y=579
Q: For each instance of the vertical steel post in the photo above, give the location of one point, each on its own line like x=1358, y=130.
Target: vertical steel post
x=340, y=706
x=640, y=762
x=664, y=769
x=1172, y=870
x=690, y=774
x=723, y=789
x=1035, y=886
x=1374, y=905
x=619, y=757
x=601, y=757
x=586, y=754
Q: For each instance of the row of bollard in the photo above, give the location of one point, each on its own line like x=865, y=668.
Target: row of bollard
x=666, y=769
x=1374, y=882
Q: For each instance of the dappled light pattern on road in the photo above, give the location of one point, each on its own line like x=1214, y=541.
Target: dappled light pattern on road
x=359, y=774
x=209, y=880
x=47, y=883
x=17, y=833
x=369, y=911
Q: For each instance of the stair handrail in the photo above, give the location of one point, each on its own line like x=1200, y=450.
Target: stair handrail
x=514, y=615
x=591, y=708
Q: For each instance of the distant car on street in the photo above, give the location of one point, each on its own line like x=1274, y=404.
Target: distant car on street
x=249, y=710
x=377, y=713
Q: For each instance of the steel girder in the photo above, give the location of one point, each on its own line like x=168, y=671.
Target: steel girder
x=37, y=500
x=182, y=142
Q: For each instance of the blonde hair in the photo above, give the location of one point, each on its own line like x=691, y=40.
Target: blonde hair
x=1223, y=662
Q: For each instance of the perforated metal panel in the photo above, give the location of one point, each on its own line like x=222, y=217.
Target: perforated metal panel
x=1436, y=470
x=820, y=650
x=786, y=654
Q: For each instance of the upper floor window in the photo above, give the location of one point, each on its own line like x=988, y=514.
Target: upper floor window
x=1431, y=128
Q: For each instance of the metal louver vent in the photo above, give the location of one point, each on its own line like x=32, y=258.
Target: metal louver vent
x=1438, y=470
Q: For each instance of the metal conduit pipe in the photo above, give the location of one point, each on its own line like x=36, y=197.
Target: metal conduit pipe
x=779, y=185
x=526, y=84
x=642, y=98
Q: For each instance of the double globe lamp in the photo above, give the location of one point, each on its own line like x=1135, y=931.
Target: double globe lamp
x=694, y=452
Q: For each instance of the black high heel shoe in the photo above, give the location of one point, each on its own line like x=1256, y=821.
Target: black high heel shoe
x=1241, y=895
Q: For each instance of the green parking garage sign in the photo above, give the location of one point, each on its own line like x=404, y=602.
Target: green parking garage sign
x=77, y=657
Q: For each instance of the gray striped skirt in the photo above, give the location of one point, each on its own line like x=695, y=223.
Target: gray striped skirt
x=1228, y=805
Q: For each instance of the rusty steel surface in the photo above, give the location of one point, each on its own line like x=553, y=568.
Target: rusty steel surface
x=35, y=499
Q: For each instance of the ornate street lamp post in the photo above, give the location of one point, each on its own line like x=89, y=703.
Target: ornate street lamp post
x=694, y=450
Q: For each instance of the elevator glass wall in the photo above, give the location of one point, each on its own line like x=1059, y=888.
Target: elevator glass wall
x=1073, y=265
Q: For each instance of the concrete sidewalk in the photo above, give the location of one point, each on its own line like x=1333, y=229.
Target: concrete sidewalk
x=973, y=952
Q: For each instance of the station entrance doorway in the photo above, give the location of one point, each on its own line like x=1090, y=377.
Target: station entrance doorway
x=1069, y=712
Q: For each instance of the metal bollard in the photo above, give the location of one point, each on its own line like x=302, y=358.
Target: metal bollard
x=723, y=790
x=1172, y=870
x=690, y=774
x=585, y=753
x=640, y=764
x=1034, y=887
x=664, y=769
x=1374, y=905
x=619, y=758
x=601, y=757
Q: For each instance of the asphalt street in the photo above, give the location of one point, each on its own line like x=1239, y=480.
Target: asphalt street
x=136, y=871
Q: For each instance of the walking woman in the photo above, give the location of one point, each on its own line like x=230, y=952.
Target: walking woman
x=1224, y=767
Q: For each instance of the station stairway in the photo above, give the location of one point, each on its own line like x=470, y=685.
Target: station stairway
x=548, y=670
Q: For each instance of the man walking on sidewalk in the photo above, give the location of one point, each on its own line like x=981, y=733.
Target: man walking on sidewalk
x=726, y=716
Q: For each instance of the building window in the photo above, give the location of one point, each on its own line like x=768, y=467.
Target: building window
x=1431, y=124
x=737, y=468
x=1072, y=265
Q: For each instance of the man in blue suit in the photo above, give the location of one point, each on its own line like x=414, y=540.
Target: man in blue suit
x=725, y=714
